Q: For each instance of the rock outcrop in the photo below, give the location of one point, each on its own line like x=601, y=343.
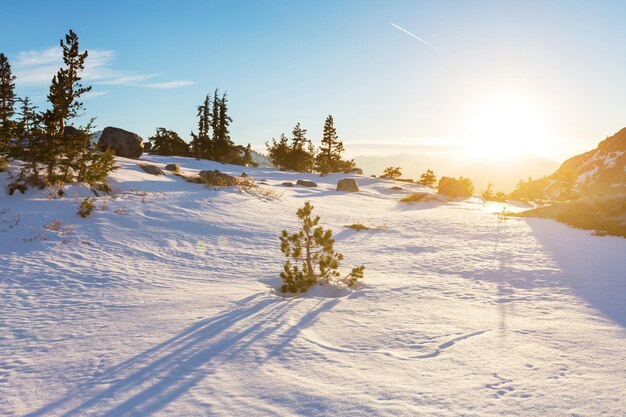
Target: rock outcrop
x=124, y=143
x=348, y=185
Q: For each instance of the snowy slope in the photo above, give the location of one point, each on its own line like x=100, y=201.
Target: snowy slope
x=162, y=304
x=599, y=171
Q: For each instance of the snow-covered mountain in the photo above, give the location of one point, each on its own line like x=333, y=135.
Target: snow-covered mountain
x=601, y=170
x=598, y=171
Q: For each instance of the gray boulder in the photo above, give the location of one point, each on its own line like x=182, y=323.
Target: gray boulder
x=172, y=167
x=124, y=143
x=306, y=183
x=70, y=131
x=348, y=185
x=287, y=184
x=218, y=179
x=152, y=169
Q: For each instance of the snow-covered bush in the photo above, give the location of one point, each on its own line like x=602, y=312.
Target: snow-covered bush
x=314, y=259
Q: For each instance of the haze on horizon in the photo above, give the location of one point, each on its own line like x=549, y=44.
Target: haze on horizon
x=472, y=78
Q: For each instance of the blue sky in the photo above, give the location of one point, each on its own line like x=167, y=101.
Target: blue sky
x=284, y=62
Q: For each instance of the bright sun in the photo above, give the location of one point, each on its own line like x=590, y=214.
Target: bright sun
x=506, y=128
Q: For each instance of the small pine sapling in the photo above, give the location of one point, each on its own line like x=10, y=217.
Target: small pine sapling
x=314, y=258
x=86, y=207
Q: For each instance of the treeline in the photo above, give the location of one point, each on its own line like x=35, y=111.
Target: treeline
x=212, y=139
x=51, y=151
x=299, y=153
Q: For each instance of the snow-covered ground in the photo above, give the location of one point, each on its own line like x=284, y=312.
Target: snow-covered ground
x=162, y=303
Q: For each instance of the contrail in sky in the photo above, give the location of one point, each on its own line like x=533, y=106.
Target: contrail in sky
x=410, y=34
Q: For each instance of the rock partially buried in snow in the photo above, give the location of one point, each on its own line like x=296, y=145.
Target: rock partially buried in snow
x=172, y=167
x=124, y=143
x=348, y=185
x=306, y=183
x=152, y=169
x=244, y=175
x=287, y=184
x=217, y=178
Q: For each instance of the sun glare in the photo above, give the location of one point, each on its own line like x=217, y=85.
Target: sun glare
x=506, y=128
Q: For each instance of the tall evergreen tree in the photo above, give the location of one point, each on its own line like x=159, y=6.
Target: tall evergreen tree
x=65, y=92
x=201, y=143
x=329, y=157
x=215, y=117
x=29, y=139
x=223, y=144
x=278, y=152
x=7, y=103
x=302, y=153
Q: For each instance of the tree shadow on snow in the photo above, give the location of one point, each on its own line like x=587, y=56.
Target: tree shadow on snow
x=592, y=266
x=149, y=381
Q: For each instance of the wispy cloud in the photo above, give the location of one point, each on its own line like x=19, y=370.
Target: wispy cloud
x=36, y=68
x=412, y=35
x=169, y=84
x=94, y=94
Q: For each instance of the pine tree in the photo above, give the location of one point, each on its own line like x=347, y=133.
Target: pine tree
x=567, y=186
x=329, y=157
x=30, y=143
x=392, y=172
x=302, y=153
x=428, y=178
x=7, y=103
x=223, y=144
x=278, y=152
x=168, y=143
x=247, y=156
x=312, y=250
x=201, y=144
x=65, y=91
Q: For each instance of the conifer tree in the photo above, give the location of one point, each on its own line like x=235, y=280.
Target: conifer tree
x=223, y=144
x=329, y=157
x=65, y=92
x=302, y=153
x=392, y=172
x=215, y=119
x=428, y=178
x=30, y=140
x=312, y=250
x=7, y=103
x=278, y=152
x=201, y=144
x=168, y=143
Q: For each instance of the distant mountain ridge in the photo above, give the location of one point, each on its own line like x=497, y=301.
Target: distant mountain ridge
x=504, y=174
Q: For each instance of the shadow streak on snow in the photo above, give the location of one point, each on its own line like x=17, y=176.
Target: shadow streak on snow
x=149, y=381
x=585, y=262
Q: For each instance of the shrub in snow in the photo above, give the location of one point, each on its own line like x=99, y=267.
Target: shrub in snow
x=489, y=195
x=419, y=197
x=314, y=259
x=428, y=178
x=452, y=187
x=392, y=172
x=86, y=207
